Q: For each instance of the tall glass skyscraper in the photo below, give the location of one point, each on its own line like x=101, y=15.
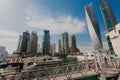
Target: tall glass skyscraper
x=93, y=27
x=59, y=46
x=22, y=45
x=46, y=42
x=109, y=20
x=65, y=43
x=108, y=15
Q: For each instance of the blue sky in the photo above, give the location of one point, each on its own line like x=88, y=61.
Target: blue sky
x=58, y=16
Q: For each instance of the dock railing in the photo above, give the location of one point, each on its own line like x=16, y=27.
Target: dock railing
x=72, y=70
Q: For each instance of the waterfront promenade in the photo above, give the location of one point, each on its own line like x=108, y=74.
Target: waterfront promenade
x=69, y=71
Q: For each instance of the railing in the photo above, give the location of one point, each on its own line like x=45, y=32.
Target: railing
x=66, y=70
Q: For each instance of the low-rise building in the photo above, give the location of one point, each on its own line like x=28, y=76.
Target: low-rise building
x=113, y=39
x=3, y=52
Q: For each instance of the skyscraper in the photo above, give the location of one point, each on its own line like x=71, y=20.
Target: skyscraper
x=73, y=44
x=108, y=15
x=23, y=40
x=19, y=43
x=38, y=48
x=59, y=46
x=93, y=27
x=32, y=43
x=52, y=49
x=65, y=43
x=46, y=42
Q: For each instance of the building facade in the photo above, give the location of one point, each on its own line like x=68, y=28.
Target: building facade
x=38, y=48
x=19, y=43
x=73, y=44
x=108, y=15
x=3, y=53
x=23, y=41
x=113, y=39
x=46, y=42
x=93, y=27
x=32, y=43
x=59, y=46
x=65, y=43
x=52, y=49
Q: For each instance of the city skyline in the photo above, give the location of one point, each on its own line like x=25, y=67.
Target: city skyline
x=58, y=17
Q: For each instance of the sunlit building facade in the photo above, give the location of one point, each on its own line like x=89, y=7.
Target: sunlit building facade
x=114, y=40
x=65, y=43
x=32, y=43
x=73, y=44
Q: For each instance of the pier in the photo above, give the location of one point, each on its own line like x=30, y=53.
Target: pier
x=69, y=71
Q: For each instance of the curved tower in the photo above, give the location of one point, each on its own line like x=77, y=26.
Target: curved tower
x=93, y=27
x=108, y=15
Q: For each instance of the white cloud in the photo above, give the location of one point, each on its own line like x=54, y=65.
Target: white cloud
x=8, y=39
x=12, y=13
x=12, y=16
x=89, y=47
x=8, y=33
x=56, y=25
x=7, y=7
x=9, y=43
x=86, y=47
